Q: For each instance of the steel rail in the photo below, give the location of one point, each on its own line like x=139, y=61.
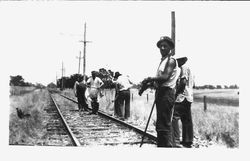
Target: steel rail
x=142, y=132
x=72, y=136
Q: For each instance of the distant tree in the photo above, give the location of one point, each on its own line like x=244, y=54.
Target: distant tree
x=19, y=81
x=65, y=82
x=211, y=87
x=68, y=82
x=111, y=73
x=39, y=85
x=207, y=87
x=51, y=85
x=16, y=80
x=233, y=87
x=73, y=78
x=106, y=76
x=59, y=83
x=219, y=87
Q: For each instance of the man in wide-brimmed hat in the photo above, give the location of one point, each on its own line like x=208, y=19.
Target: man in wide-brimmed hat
x=182, y=109
x=122, y=98
x=165, y=80
x=181, y=61
x=117, y=74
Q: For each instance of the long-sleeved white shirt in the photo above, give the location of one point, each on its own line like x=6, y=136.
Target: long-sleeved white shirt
x=124, y=82
x=188, y=91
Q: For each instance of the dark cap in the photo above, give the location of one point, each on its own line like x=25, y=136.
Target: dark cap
x=181, y=61
x=94, y=72
x=117, y=74
x=166, y=39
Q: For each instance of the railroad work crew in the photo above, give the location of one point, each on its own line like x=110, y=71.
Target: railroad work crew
x=79, y=90
x=122, y=98
x=94, y=83
x=165, y=84
x=182, y=109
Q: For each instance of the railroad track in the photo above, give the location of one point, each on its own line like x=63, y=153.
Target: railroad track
x=58, y=133
x=99, y=130
x=92, y=130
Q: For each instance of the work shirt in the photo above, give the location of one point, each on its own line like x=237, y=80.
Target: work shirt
x=171, y=82
x=79, y=88
x=188, y=91
x=75, y=90
x=94, y=86
x=124, y=83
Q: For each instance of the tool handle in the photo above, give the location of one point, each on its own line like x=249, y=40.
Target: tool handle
x=145, y=131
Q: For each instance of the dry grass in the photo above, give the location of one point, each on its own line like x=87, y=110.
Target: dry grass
x=228, y=97
x=27, y=131
x=221, y=120
x=218, y=123
x=18, y=90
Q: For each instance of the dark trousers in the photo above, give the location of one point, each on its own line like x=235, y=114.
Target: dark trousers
x=123, y=99
x=165, y=98
x=94, y=105
x=82, y=103
x=182, y=111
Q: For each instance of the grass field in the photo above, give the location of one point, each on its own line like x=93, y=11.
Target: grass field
x=228, y=97
x=27, y=131
x=221, y=120
x=18, y=90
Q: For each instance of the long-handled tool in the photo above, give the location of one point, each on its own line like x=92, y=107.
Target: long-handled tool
x=145, y=131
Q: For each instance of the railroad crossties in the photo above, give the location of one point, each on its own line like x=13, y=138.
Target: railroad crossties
x=97, y=130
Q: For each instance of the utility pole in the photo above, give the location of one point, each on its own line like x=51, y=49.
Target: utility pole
x=79, y=62
x=84, y=51
x=56, y=78
x=62, y=74
x=173, y=29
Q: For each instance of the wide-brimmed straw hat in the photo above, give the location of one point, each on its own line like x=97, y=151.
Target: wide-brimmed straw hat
x=166, y=39
x=181, y=61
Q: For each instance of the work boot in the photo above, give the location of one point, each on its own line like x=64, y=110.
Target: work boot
x=187, y=144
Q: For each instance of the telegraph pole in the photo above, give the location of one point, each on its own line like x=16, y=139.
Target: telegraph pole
x=84, y=51
x=62, y=74
x=79, y=62
x=56, y=78
x=173, y=29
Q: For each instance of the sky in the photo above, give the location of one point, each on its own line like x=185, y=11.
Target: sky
x=37, y=37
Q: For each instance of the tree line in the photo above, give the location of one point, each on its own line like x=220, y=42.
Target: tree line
x=18, y=80
x=105, y=75
x=217, y=87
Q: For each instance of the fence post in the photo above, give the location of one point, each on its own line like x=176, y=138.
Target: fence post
x=132, y=97
x=147, y=98
x=205, y=103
